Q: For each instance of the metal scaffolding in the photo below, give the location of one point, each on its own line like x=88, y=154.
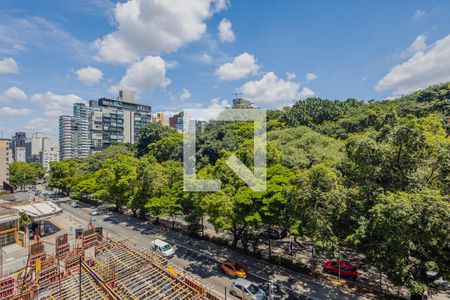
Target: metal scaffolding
x=103, y=268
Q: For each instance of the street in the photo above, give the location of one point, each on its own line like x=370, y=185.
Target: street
x=202, y=259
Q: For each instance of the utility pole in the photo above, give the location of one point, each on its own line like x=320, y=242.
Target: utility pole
x=1, y=261
x=80, y=277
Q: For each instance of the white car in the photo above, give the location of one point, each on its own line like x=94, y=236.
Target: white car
x=162, y=248
x=94, y=213
x=75, y=205
x=241, y=287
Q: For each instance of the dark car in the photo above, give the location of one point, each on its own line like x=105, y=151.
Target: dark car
x=345, y=269
x=274, y=234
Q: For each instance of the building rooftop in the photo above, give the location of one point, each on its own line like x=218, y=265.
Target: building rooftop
x=7, y=211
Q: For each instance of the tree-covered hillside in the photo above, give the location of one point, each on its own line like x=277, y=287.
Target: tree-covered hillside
x=373, y=175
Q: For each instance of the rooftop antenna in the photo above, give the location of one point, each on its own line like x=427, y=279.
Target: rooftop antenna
x=236, y=94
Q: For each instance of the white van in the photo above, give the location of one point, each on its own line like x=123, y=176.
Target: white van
x=162, y=248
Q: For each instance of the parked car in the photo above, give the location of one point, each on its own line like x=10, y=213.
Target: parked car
x=233, y=269
x=162, y=247
x=346, y=269
x=274, y=234
x=75, y=205
x=246, y=289
x=438, y=279
x=94, y=212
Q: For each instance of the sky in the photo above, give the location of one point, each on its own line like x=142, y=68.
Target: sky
x=177, y=54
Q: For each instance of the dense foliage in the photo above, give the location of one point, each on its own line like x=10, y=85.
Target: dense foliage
x=22, y=174
x=374, y=175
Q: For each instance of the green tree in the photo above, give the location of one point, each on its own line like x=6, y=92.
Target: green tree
x=150, y=134
x=150, y=180
x=405, y=235
x=22, y=174
x=317, y=203
x=168, y=148
x=118, y=180
x=63, y=173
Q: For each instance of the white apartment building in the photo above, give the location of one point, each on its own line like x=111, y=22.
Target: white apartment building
x=20, y=154
x=41, y=149
x=104, y=122
x=5, y=156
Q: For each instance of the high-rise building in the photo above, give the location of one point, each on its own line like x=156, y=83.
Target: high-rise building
x=82, y=143
x=33, y=147
x=104, y=122
x=118, y=121
x=67, y=134
x=18, y=146
x=5, y=156
x=41, y=149
x=176, y=121
x=49, y=153
x=160, y=118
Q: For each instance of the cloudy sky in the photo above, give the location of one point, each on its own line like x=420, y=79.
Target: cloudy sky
x=179, y=54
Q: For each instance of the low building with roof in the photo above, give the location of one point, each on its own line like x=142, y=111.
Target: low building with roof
x=9, y=226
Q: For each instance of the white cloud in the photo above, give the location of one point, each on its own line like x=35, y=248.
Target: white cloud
x=219, y=5
x=218, y=103
x=418, y=14
x=185, y=95
x=423, y=69
x=273, y=90
x=226, y=34
x=145, y=75
x=419, y=44
x=54, y=105
x=113, y=90
x=290, y=76
x=154, y=27
x=306, y=93
x=204, y=58
x=89, y=75
x=46, y=125
x=22, y=34
x=13, y=94
x=8, y=65
x=14, y=112
x=311, y=76
x=242, y=65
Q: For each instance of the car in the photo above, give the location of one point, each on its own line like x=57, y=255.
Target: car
x=344, y=268
x=94, y=212
x=437, y=279
x=162, y=247
x=274, y=234
x=233, y=269
x=246, y=289
x=75, y=205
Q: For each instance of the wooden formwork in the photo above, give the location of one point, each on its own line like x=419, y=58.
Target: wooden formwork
x=7, y=287
x=117, y=270
x=62, y=247
x=36, y=252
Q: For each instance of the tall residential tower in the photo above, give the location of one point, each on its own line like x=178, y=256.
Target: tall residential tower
x=104, y=122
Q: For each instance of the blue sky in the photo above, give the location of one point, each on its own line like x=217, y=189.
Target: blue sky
x=179, y=54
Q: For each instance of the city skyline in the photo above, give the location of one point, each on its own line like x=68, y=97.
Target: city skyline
x=209, y=50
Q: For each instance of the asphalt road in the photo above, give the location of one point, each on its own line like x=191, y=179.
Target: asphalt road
x=186, y=257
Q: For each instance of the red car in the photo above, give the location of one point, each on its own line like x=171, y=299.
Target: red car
x=347, y=270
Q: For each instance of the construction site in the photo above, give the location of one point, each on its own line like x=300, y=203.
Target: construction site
x=99, y=266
